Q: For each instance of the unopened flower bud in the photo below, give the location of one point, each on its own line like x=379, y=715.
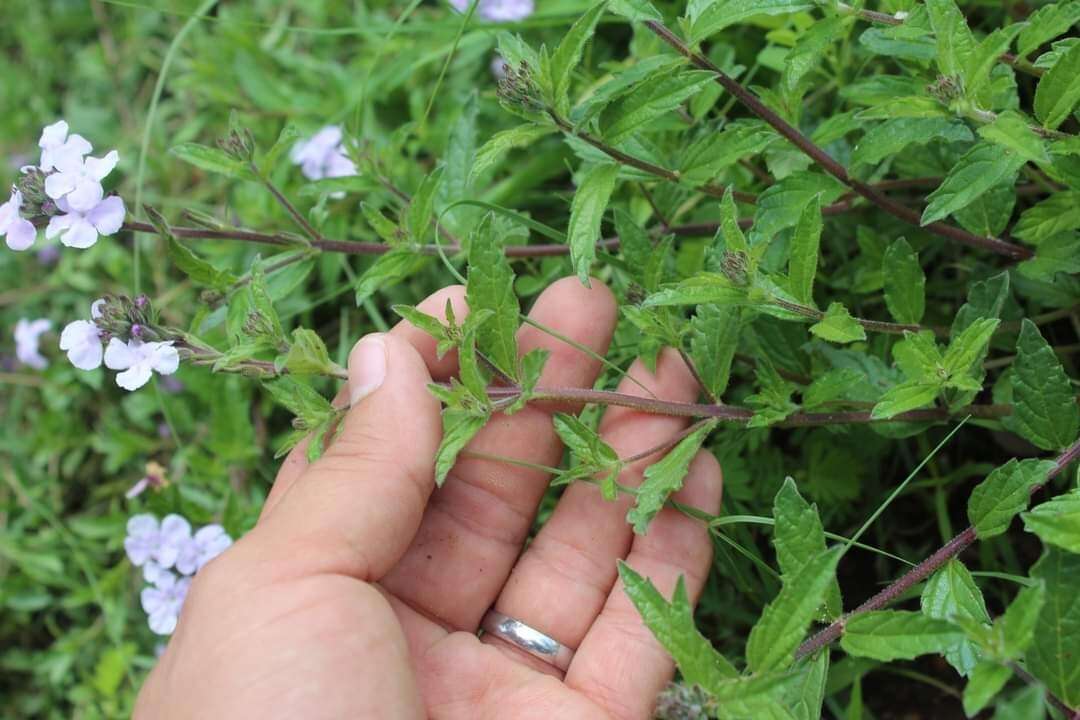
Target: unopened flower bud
x=733, y=266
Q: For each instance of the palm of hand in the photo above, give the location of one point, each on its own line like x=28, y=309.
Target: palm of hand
x=359, y=592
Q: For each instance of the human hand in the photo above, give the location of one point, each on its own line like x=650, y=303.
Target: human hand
x=360, y=591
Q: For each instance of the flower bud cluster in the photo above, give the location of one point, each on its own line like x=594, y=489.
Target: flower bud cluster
x=518, y=89
x=170, y=555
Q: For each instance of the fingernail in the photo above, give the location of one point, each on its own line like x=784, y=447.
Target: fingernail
x=367, y=367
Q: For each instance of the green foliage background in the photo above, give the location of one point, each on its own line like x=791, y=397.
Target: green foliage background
x=73, y=640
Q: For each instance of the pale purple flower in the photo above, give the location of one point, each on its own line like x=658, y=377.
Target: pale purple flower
x=153, y=572
x=82, y=340
x=80, y=229
x=78, y=179
x=20, y=232
x=28, y=340
x=498, y=10
x=322, y=155
x=205, y=545
x=139, y=360
x=160, y=542
x=55, y=143
x=163, y=601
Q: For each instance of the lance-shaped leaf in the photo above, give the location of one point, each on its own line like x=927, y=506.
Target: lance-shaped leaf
x=986, y=55
x=905, y=282
x=654, y=97
x=714, y=338
x=782, y=204
x=495, y=150
x=1059, y=89
x=969, y=347
x=673, y=625
x=591, y=454
x=803, y=261
x=1005, y=492
x=908, y=395
x=702, y=288
x=955, y=44
x=888, y=635
x=665, y=477
x=979, y=170
x=985, y=299
x=1017, y=625
x=1056, y=214
x=636, y=10
x=713, y=152
x=586, y=214
x=798, y=537
x=389, y=268
x=784, y=622
x=892, y=136
x=567, y=55
x=1044, y=403
x=772, y=402
x=986, y=680
x=1047, y=23
x=951, y=594
x=308, y=355
x=1052, y=655
x=491, y=287
x=1012, y=131
x=710, y=16
x=1057, y=521
x=838, y=326
x=806, y=694
x=459, y=427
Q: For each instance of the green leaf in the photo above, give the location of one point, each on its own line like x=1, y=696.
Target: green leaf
x=888, y=635
x=491, y=287
x=714, y=152
x=807, y=693
x=918, y=356
x=1057, y=254
x=772, y=402
x=951, y=594
x=212, y=160
x=969, y=347
x=892, y=136
x=586, y=214
x=785, y=620
x=1011, y=131
x=420, y=207
x=1052, y=656
x=985, y=299
x=1005, y=492
x=881, y=42
x=1018, y=623
x=838, y=326
x=199, y=270
x=1056, y=214
x=635, y=10
x=799, y=536
x=905, y=283
x=714, y=338
x=386, y=229
x=665, y=477
x=301, y=400
x=1057, y=522
x=955, y=44
x=832, y=385
x=308, y=356
x=980, y=169
x=567, y=55
x=909, y=395
x=650, y=99
x=914, y=106
x=286, y=139
x=673, y=625
x=388, y=269
x=803, y=261
x=710, y=16
x=1059, y=89
x=501, y=143
x=810, y=48
x=584, y=442
x=1045, y=24
x=702, y=288
x=985, y=57
x=1044, y=404
x=781, y=205
x=459, y=427
x=734, y=240
x=986, y=680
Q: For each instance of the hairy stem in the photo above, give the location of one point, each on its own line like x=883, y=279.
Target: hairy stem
x=827, y=163
x=921, y=571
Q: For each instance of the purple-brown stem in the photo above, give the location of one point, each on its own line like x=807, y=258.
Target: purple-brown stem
x=827, y=163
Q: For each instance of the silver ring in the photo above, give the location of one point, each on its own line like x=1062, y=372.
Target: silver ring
x=527, y=639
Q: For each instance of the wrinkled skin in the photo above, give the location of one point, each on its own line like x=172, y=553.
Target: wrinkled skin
x=359, y=592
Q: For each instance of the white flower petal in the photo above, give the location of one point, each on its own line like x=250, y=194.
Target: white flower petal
x=59, y=184
x=108, y=215
x=165, y=358
x=86, y=195
x=134, y=378
x=21, y=234
x=82, y=341
x=142, y=525
x=119, y=355
x=80, y=235
x=58, y=224
x=99, y=168
x=53, y=135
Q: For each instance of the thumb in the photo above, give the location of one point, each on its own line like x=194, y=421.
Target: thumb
x=356, y=509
